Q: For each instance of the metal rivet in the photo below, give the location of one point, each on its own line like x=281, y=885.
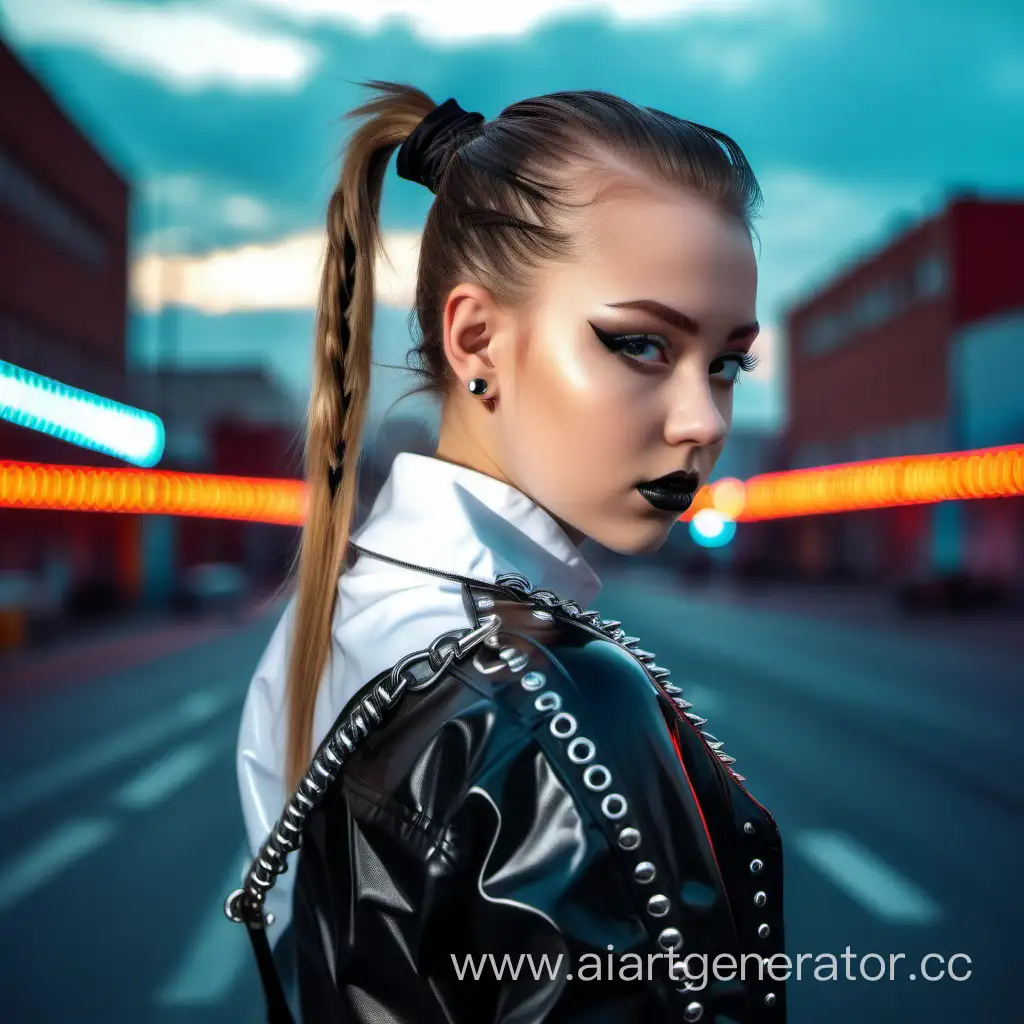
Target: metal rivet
x=748, y=827
x=271, y=918
x=694, y=1011
x=548, y=701
x=762, y=931
x=533, y=681
x=596, y=777
x=518, y=663
x=614, y=806
x=562, y=726
x=574, y=752
x=658, y=905
x=769, y=999
x=760, y=899
x=644, y=872
x=756, y=865
x=677, y=970
x=629, y=838
x=485, y=604
x=670, y=938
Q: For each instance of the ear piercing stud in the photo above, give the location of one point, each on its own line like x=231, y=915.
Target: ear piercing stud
x=477, y=386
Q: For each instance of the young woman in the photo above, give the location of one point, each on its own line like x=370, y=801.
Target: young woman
x=495, y=769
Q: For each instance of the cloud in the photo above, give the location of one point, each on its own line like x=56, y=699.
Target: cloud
x=184, y=46
x=280, y=275
x=188, y=212
x=455, y=21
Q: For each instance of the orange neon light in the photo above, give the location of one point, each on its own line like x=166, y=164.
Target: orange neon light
x=912, y=480
x=855, y=486
x=87, y=489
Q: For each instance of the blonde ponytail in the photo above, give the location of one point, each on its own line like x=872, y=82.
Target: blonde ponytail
x=340, y=390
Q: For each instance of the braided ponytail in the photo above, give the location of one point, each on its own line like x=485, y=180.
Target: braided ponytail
x=340, y=390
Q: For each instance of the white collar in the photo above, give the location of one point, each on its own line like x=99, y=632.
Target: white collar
x=441, y=516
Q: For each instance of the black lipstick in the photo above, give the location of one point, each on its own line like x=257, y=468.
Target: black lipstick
x=671, y=493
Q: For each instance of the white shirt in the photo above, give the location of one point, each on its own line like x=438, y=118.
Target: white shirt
x=430, y=513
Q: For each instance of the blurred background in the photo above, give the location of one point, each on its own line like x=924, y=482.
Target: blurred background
x=164, y=168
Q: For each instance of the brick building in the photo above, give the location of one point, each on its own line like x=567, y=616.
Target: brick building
x=63, y=303
x=912, y=351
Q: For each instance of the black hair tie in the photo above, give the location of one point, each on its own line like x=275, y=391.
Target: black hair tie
x=424, y=154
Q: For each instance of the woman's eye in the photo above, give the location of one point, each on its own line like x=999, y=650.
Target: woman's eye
x=638, y=348
x=728, y=368
x=645, y=349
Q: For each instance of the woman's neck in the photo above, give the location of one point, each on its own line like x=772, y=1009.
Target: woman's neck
x=479, y=462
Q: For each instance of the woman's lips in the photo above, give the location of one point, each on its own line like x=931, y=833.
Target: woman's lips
x=671, y=493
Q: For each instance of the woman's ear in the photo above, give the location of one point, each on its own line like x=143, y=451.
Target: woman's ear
x=475, y=327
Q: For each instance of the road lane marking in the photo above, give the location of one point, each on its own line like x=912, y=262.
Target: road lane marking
x=166, y=776
x=49, y=857
x=129, y=742
x=218, y=952
x=866, y=878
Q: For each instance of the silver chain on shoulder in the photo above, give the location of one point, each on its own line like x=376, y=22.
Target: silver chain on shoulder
x=246, y=904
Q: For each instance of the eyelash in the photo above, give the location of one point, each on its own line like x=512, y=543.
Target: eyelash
x=746, y=361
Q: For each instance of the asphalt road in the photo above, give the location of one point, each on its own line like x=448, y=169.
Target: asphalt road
x=891, y=758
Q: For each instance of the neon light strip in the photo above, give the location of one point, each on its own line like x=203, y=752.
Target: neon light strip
x=79, y=417
x=857, y=486
x=985, y=473
x=82, y=489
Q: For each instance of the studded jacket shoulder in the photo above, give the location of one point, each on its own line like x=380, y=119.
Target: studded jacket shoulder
x=526, y=823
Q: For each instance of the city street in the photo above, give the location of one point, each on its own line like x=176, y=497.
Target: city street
x=889, y=755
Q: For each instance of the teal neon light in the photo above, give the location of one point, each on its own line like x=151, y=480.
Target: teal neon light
x=80, y=417
x=710, y=529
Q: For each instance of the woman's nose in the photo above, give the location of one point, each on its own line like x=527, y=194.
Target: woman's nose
x=696, y=417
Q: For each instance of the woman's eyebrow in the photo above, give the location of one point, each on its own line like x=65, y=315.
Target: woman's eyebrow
x=683, y=321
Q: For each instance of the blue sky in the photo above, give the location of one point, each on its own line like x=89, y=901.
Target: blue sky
x=855, y=114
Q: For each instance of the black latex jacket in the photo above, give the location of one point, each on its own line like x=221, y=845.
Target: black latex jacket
x=548, y=793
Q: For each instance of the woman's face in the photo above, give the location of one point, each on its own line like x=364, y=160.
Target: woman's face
x=631, y=356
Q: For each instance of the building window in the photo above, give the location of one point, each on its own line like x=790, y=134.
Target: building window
x=930, y=276
x=870, y=309
x=59, y=358
x=21, y=192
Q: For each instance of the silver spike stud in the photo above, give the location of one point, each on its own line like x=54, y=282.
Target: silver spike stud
x=609, y=624
x=725, y=758
x=629, y=641
x=662, y=673
x=711, y=739
x=715, y=745
x=644, y=656
x=737, y=776
x=696, y=719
